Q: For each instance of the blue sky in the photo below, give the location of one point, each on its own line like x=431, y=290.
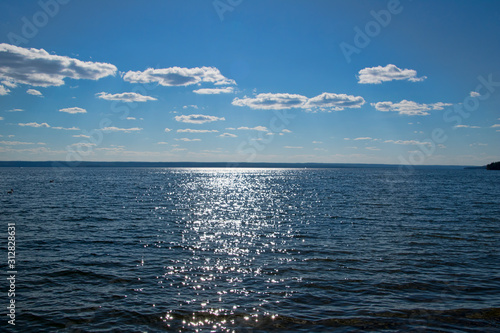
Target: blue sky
x=414, y=82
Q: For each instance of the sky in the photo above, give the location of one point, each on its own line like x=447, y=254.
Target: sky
x=395, y=82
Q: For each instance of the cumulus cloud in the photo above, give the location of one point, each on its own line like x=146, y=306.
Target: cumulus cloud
x=407, y=142
x=187, y=139
x=178, y=76
x=214, y=91
x=124, y=130
x=197, y=118
x=4, y=91
x=73, y=110
x=36, y=67
x=379, y=74
x=167, y=130
x=286, y=131
x=474, y=94
x=269, y=101
x=189, y=130
x=34, y=92
x=409, y=108
x=256, y=128
x=66, y=128
x=466, y=126
x=125, y=97
x=337, y=102
x=15, y=143
x=228, y=135
x=34, y=124
x=325, y=101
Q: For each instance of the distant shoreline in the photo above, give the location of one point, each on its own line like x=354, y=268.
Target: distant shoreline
x=87, y=164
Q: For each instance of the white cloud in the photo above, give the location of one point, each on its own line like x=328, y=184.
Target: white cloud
x=474, y=94
x=81, y=136
x=124, y=130
x=4, y=91
x=36, y=67
x=197, y=118
x=34, y=124
x=9, y=84
x=256, y=128
x=34, y=92
x=317, y=142
x=190, y=106
x=293, y=147
x=83, y=144
x=214, y=91
x=269, y=101
x=407, y=142
x=363, y=138
x=409, y=108
x=73, y=110
x=131, y=118
x=286, y=131
x=177, y=76
x=228, y=135
x=337, y=102
x=15, y=143
x=466, y=126
x=15, y=110
x=66, y=129
x=167, y=130
x=496, y=125
x=379, y=74
x=189, y=130
x=1, y=118
x=162, y=143
x=187, y=140
x=372, y=148
x=125, y=97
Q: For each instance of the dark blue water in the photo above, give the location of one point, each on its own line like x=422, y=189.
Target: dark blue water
x=253, y=250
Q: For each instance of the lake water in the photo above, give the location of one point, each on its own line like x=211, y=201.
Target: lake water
x=253, y=250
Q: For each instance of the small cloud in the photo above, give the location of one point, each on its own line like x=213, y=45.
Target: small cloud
x=127, y=97
x=34, y=92
x=187, y=139
x=197, y=118
x=34, y=124
x=188, y=130
x=441, y=146
x=317, y=142
x=496, y=125
x=178, y=149
x=167, y=130
x=190, y=106
x=407, y=142
x=73, y=110
x=162, y=143
x=293, y=147
x=409, y=108
x=269, y=101
x=83, y=144
x=379, y=74
x=372, y=148
x=214, y=91
x=124, y=130
x=286, y=131
x=256, y=128
x=130, y=118
x=363, y=138
x=466, y=126
x=231, y=128
x=81, y=136
x=15, y=110
x=227, y=135
x=66, y=128
x=9, y=84
x=474, y=94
